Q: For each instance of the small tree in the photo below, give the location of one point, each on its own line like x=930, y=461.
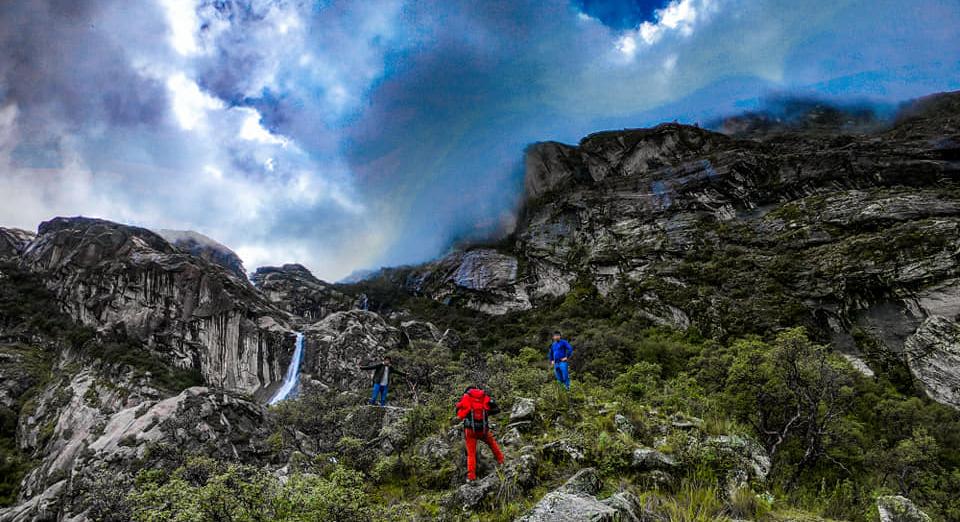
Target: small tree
x=792, y=391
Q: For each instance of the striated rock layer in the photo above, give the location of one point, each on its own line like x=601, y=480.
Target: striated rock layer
x=188, y=311
x=293, y=288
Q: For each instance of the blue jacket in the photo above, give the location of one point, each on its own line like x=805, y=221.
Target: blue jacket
x=560, y=349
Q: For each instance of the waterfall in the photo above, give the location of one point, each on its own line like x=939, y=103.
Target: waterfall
x=292, y=378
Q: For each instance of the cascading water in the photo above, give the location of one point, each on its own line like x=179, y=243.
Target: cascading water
x=292, y=378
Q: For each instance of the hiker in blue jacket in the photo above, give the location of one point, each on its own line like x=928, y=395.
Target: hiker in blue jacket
x=560, y=352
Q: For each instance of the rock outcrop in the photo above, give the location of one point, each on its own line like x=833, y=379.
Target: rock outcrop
x=105, y=433
x=481, y=279
x=576, y=501
x=188, y=311
x=293, y=288
x=13, y=241
x=202, y=246
x=341, y=342
x=933, y=355
x=895, y=508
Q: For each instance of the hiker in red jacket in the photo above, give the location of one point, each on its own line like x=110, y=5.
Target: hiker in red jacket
x=474, y=409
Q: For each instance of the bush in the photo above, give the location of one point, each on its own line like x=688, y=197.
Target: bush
x=245, y=493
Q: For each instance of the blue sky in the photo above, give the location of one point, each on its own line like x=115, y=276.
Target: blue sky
x=345, y=135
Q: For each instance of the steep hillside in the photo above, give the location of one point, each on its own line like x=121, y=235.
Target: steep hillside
x=765, y=328
x=855, y=236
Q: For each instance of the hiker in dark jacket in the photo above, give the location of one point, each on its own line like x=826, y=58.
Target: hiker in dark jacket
x=560, y=353
x=474, y=408
x=382, y=374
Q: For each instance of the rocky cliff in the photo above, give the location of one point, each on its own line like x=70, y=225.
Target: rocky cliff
x=293, y=288
x=13, y=241
x=202, y=246
x=851, y=233
x=190, y=312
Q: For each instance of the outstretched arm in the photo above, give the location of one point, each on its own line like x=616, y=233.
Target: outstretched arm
x=369, y=367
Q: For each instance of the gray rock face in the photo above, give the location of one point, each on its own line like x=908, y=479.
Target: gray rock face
x=205, y=248
x=481, y=279
x=933, y=355
x=894, y=508
x=293, y=288
x=190, y=312
x=839, y=233
x=341, y=342
x=575, y=501
x=13, y=241
x=102, y=432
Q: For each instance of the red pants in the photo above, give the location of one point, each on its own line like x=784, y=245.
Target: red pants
x=471, y=437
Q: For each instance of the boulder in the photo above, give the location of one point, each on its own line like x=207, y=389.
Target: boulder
x=748, y=459
x=420, y=331
x=386, y=429
x=564, y=450
x=523, y=410
x=933, y=355
x=647, y=459
x=584, y=482
x=575, y=501
x=518, y=475
x=624, y=425
x=895, y=508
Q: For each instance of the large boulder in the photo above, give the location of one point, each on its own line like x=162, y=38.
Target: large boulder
x=933, y=355
x=293, y=288
x=184, y=309
x=339, y=344
x=518, y=475
x=575, y=501
x=895, y=508
x=386, y=429
x=648, y=459
x=523, y=409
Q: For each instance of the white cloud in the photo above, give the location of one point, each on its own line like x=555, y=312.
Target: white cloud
x=252, y=130
x=183, y=22
x=679, y=16
x=189, y=103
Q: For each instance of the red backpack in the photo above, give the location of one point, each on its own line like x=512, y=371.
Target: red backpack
x=473, y=408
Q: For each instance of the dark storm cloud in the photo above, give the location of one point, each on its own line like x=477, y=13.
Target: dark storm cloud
x=58, y=63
